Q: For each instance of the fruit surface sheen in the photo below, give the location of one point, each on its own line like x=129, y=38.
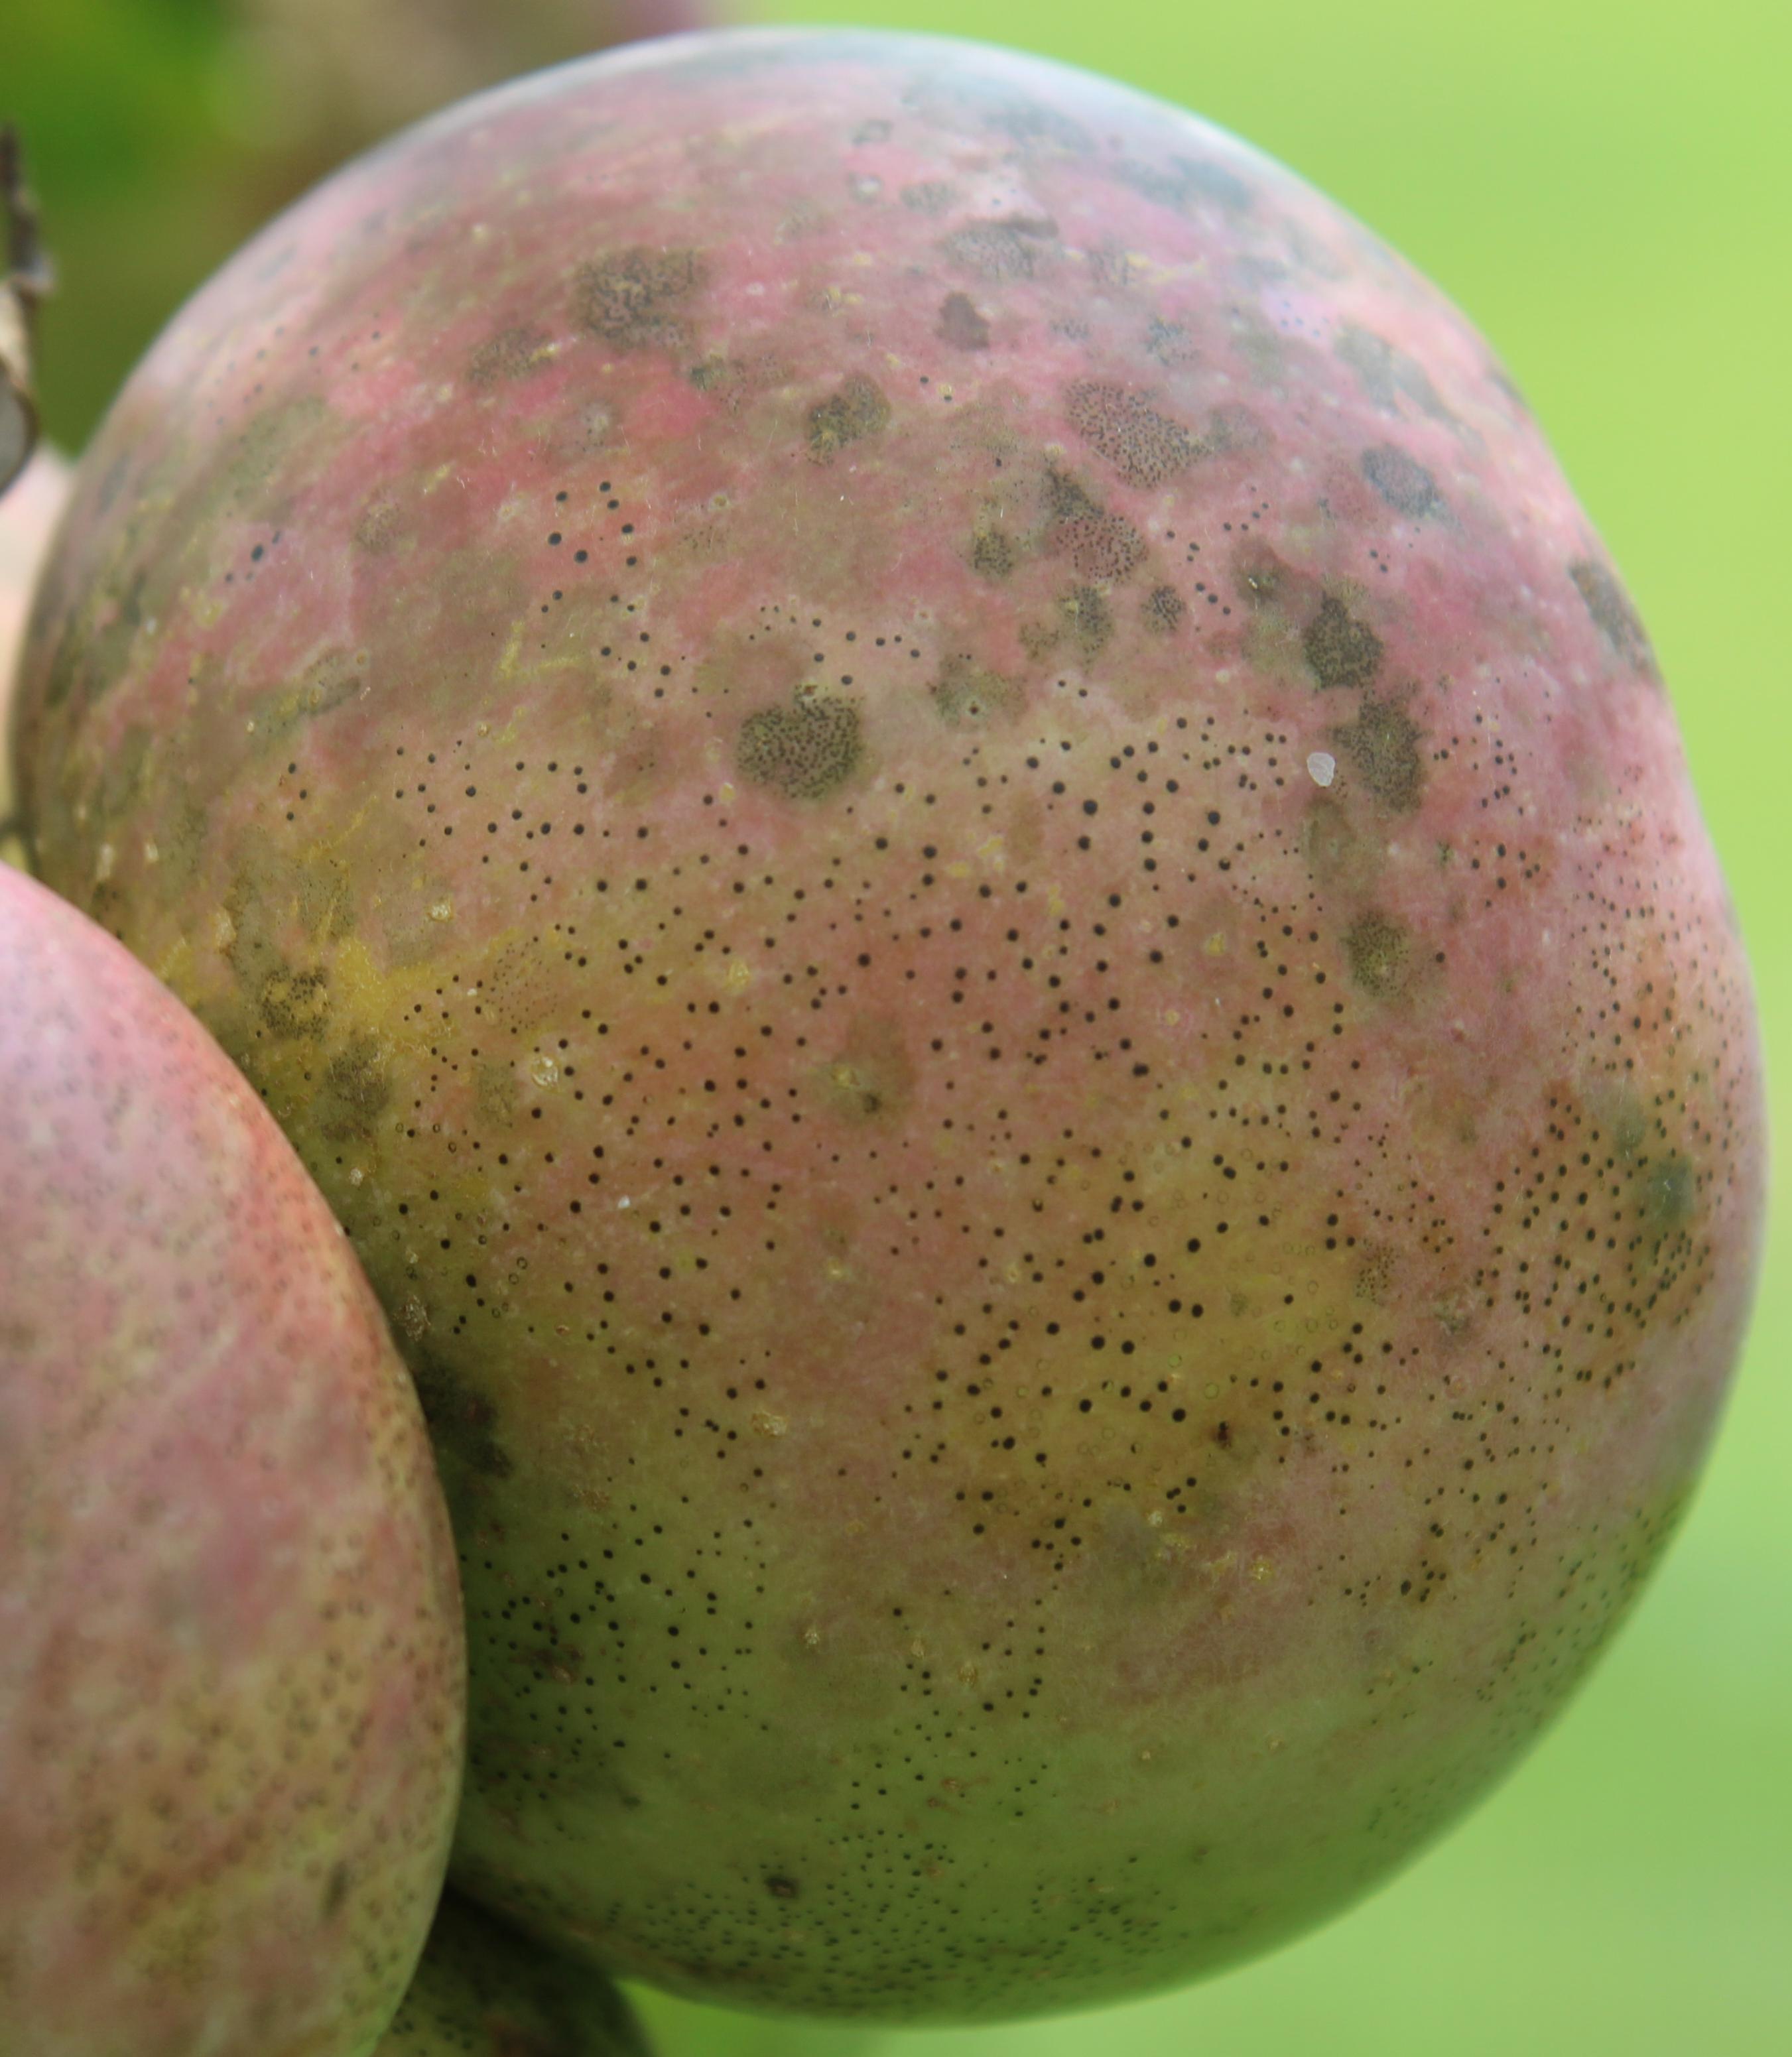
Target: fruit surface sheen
x=923, y=799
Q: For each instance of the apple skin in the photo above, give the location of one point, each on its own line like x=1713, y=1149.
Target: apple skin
x=231, y=1661
x=923, y=799
x=483, y=1990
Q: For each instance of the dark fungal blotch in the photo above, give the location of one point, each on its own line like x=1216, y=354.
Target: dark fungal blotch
x=1036, y=127
x=998, y=250
x=1185, y=181
x=1263, y=579
x=357, y=1088
x=1671, y=1192
x=635, y=298
x=1104, y=547
x=871, y=1077
x=1089, y=618
x=994, y=553
x=378, y=527
x=856, y=409
x=1168, y=342
x=462, y=1420
x=1163, y=609
x=1402, y=481
x=1144, y=446
x=967, y=696
x=1379, y=952
x=929, y=197
x=1613, y=613
x=1381, y=747
x=292, y=1003
x=803, y=751
x=1387, y=374
x=961, y=325
x=1343, y=650
x=512, y=353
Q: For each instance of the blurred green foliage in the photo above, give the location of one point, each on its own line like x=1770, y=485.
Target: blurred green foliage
x=1607, y=191
x=163, y=132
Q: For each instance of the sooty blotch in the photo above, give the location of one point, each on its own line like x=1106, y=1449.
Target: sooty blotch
x=966, y=695
x=961, y=325
x=1090, y=618
x=1402, y=481
x=461, y=1421
x=804, y=752
x=1671, y=1193
x=871, y=1077
x=1381, y=746
x=1185, y=181
x=1000, y=250
x=1163, y=609
x=1387, y=374
x=512, y=353
x=1144, y=446
x=357, y=1086
x=1343, y=650
x=1034, y=125
x=1380, y=955
x=1612, y=612
x=993, y=554
x=293, y=1003
x=1102, y=547
x=858, y=409
x=634, y=298
x=378, y=528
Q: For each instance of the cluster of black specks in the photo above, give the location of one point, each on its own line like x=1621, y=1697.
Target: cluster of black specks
x=1105, y=547
x=1380, y=953
x=803, y=751
x=640, y=298
x=1001, y=251
x=1341, y=648
x=1163, y=609
x=858, y=409
x=1381, y=746
x=1144, y=446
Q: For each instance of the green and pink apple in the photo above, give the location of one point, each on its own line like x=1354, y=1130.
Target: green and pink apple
x=923, y=797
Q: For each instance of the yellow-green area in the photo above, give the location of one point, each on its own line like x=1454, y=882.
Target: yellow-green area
x=1607, y=190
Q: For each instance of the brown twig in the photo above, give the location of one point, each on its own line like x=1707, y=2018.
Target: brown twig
x=23, y=282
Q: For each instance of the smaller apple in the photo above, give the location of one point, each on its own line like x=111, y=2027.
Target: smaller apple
x=484, y=1989
x=232, y=1671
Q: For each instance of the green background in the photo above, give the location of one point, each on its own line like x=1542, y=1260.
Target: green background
x=1606, y=188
